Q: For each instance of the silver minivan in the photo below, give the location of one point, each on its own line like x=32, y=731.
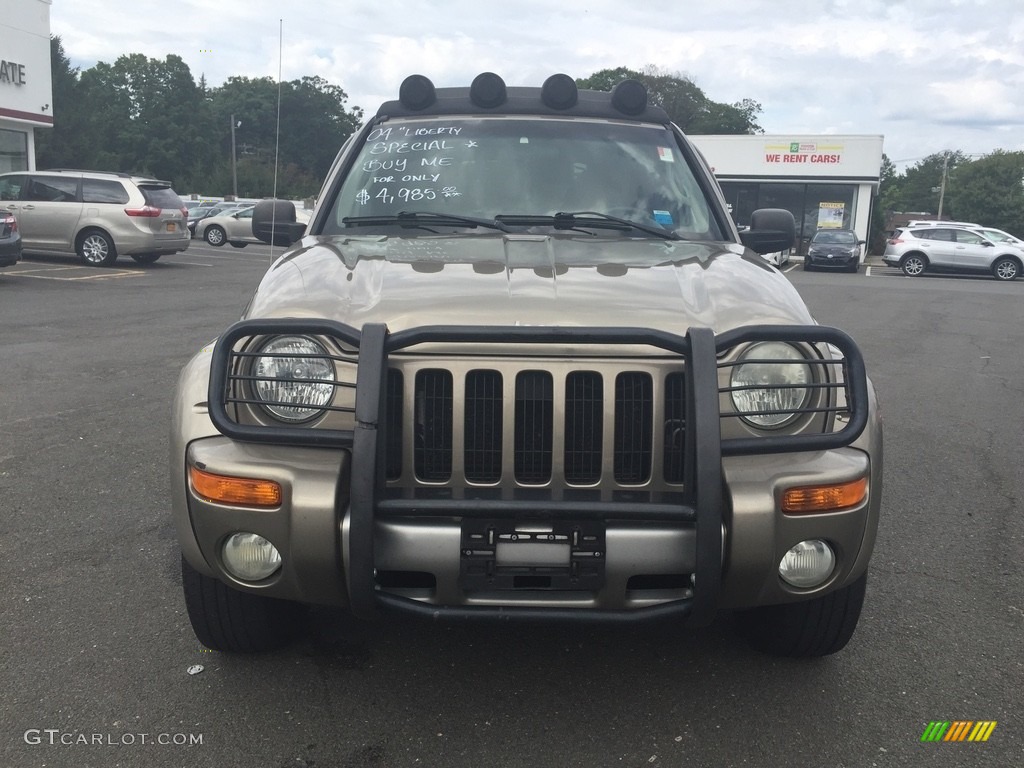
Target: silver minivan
x=95, y=214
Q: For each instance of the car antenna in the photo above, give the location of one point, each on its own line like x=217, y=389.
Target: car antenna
x=277, y=129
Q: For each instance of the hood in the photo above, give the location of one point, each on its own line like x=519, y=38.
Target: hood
x=524, y=279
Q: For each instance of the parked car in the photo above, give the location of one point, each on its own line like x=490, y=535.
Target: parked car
x=215, y=209
x=521, y=366
x=941, y=223
x=777, y=259
x=833, y=249
x=995, y=235
x=10, y=240
x=917, y=250
x=232, y=226
x=999, y=236
x=95, y=214
x=205, y=210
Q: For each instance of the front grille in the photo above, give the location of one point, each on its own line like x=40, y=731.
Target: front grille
x=579, y=428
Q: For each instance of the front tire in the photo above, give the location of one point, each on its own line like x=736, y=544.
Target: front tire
x=96, y=249
x=215, y=235
x=225, y=619
x=817, y=627
x=913, y=265
x=1006, y=268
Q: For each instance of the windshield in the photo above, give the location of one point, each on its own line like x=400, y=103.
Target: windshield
x=835, y=238
x=482, y=168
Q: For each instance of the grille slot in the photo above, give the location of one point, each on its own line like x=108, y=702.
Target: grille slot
x=395, y=385
x=433, y=425
x=534, y=415
x=584, y=412
x=675, y=428
x=634, y=400
x=483, y=427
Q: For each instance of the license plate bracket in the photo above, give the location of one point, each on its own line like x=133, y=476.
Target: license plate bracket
x=532, y=554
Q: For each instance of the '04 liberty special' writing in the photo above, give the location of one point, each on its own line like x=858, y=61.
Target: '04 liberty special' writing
x=408, y=163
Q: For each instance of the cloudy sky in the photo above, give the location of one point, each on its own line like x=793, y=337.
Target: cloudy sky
x=929, y=75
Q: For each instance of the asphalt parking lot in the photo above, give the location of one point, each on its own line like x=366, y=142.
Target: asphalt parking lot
x=98, y=647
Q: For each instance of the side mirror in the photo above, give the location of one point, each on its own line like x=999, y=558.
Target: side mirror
x=273, y=222
x=771, y=230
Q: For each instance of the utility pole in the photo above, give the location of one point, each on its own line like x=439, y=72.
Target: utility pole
x=942, y=184
x=235, y=164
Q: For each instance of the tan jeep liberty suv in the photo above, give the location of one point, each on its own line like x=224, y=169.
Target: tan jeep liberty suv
x=520, y=365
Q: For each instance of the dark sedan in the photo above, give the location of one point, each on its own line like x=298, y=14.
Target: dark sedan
x=10, y=240
x=834, y=249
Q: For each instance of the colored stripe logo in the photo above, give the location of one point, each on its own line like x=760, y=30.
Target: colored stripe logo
x=958, y=730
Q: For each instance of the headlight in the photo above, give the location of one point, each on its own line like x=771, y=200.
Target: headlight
x=769, y=394
x=293, y=377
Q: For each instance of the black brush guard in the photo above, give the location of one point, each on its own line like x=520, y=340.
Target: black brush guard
x=703, y=500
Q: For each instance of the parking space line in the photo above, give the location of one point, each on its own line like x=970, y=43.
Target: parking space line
x=105, y=276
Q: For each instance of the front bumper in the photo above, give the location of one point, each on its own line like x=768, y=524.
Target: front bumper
x=347, y=540
x=835, y=261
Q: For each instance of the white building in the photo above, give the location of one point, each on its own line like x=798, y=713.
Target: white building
x=26, y=93
x=826, y=181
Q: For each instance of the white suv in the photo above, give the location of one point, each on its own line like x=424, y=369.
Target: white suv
x=993, y=234
x=916, y=250
x=96, y=214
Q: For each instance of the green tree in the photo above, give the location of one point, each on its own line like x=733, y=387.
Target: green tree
x=149, y=116
x=686, y=104
x=143, y=116
x=314, y=123
x=921, y=185
x=62, y=146
x=888, y=189
x=990, y=191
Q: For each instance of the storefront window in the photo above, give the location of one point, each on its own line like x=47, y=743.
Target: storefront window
x=814, y=206
x=829, y=206
x=13, y=151
x=742, y=200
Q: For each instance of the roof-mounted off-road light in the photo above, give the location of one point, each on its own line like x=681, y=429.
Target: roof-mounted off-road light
x=416, y=92
x=630, y=97
x=487, y=90
x=559, y=92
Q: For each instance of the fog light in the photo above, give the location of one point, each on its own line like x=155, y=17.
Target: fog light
x=250, y=557
x=807, y=564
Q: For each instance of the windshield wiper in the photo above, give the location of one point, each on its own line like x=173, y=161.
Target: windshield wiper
x=420, y=218
x=592, y=219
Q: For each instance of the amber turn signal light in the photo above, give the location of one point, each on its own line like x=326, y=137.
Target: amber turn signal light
x=240, y=491
x=824, y=498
